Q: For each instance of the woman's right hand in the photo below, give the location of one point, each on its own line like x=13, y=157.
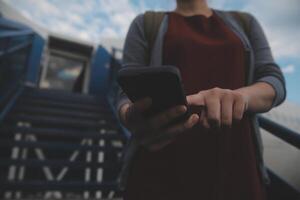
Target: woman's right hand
x=150, y=131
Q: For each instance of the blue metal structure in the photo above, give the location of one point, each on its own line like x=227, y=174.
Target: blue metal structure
x=33, y=71
x=20, y=55
x=65, y=145
x=99, y=72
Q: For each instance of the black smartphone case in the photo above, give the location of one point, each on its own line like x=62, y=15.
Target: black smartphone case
x=162, y=84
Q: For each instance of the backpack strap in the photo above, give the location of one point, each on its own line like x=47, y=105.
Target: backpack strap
x=243, y=20
x=152, y=22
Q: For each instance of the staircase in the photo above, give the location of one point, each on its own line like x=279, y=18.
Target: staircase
x=59, y=144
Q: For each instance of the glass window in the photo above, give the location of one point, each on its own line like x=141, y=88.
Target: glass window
x=62, y=72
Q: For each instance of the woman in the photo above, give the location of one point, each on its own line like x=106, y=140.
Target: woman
x=217, y=153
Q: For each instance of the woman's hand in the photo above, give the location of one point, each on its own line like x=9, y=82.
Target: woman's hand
x=223, y=106
x=150, y=131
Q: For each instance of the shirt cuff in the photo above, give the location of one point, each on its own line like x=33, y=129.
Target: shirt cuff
x=280, y=92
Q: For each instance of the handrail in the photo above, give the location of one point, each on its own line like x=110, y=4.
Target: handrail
x=284, y=133
x=10, y=100
x=12, y=25
x=6, y=34
x=15, y=48
x=15, y=89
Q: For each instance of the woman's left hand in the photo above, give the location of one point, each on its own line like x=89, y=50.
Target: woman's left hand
x=222, y=106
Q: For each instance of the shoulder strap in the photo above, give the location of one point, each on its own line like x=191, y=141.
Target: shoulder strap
x=243, y=19
x=152, y=21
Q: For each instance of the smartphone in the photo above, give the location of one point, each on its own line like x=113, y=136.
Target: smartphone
x=161, y=83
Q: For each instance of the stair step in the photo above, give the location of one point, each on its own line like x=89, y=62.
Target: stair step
x=61, y=105
x=59, y=146
x=64, y=99
x=58, y=185
x=55, y=132
x=62, y=95
x=61, y=121
x=34, y=110
x=59, y=163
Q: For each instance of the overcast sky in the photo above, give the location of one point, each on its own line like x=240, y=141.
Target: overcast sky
x=92, y=20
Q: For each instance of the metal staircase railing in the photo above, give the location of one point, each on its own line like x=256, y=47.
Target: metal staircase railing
x=282, y=132
x=280, y=189
x=15, y=44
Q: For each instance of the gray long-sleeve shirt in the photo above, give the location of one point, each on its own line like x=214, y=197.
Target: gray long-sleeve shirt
x=261, y=65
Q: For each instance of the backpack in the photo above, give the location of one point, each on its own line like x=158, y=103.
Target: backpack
x=153, y=19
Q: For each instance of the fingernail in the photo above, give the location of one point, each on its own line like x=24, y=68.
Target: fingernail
x=196, y=118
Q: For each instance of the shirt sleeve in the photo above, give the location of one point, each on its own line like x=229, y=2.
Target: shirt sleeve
x=266, y=69
x=134, y=53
